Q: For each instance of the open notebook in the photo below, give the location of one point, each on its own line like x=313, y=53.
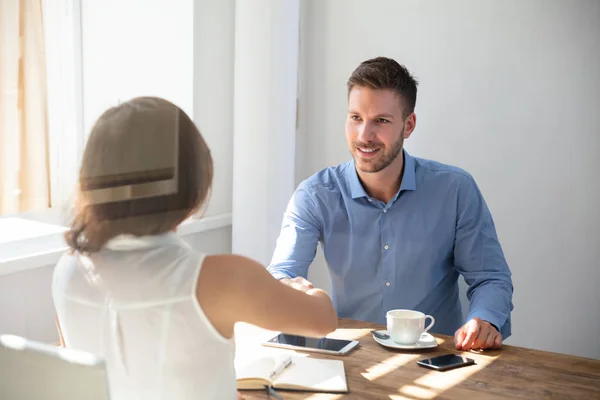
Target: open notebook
x=304, y=373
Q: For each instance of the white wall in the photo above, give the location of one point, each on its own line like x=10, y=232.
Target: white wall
x=265, y=75
x=136, y=48
x=213, y=92
x=180, y=50
x=510, y=91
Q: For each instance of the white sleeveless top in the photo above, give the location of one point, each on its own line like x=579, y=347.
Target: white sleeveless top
x=134, y=303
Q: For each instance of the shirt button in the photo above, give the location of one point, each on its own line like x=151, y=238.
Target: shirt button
x=385, y=210
x=388, y=284
x=386, y=247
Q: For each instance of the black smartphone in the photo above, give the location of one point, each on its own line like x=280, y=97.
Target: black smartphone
x=446, y=362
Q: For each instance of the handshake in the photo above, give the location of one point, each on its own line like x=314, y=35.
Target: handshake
x=302, y=285
x=298, y=283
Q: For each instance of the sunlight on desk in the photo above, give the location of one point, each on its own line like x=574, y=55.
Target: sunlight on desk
x=350, y=334
x=415, y=392
x=388, y=365
x=376, y=372
x=248, y=340
x=324, y=396
x=433, y=383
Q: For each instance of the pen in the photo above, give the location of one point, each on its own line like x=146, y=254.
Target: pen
x=284, y=364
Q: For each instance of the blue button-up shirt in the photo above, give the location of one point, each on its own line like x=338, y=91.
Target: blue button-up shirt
x=406, y=254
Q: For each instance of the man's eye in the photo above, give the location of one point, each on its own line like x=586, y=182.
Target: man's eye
x=382, y=120
x=355, y=118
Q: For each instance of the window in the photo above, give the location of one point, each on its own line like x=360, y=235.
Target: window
x=41, y=118
x=97, y=54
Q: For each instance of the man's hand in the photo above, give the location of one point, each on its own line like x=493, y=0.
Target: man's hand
x=477, y=335
x=298, y=283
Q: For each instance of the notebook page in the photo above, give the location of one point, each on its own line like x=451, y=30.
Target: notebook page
x=313, y=374
x=257, y=368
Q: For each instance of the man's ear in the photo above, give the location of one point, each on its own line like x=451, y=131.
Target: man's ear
x=410, y=123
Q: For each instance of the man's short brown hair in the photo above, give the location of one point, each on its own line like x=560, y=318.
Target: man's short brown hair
x=385, y=73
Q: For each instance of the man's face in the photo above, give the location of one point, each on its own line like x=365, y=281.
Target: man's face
x=375, y=127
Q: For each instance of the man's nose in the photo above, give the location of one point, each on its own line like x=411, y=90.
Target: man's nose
x=366, y=132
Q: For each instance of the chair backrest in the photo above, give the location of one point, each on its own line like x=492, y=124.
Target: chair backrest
x=32, y=370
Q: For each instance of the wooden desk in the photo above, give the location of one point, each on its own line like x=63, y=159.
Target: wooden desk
x=376, y=372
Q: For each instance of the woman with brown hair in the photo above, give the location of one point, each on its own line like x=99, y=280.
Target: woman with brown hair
x=159, y=312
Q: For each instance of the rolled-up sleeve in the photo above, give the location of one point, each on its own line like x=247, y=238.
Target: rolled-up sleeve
x=479, y=258
x=299, y=237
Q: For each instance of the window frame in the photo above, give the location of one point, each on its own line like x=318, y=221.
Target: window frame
x=64, y=88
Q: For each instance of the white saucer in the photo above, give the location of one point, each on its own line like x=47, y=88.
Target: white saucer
x=426, y=342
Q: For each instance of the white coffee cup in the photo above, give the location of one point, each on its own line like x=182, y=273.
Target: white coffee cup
x=407, y=326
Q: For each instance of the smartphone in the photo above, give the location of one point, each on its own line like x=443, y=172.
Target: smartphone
x=446, y=362
x=319, y=345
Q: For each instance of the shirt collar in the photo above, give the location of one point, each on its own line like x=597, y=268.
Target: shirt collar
x=131, y=242
x=409, y=181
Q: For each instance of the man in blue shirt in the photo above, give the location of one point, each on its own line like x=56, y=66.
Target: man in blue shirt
x=397, y=230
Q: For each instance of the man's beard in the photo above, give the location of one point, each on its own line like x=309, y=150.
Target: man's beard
x=380, y=161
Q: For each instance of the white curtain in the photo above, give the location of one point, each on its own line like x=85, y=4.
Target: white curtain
x=24, y=170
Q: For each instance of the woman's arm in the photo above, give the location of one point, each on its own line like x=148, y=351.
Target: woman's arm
x=234, y=288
